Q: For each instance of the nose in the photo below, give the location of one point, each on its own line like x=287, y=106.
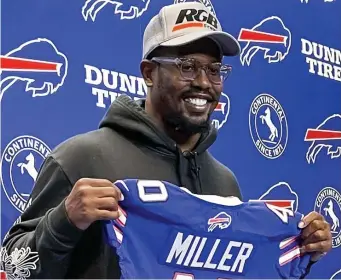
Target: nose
x=202, y=80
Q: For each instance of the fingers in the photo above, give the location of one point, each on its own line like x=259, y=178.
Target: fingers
x=106, y=214
x=111, y=191
x=315, y=226
x=322, y=246
x=317, y=236
x=318, y=229
x=106, y=203
x=97, y=183
x=91, y=200
x=94, y=182
x=103, y=198
x=97, y=188
x=312, y=216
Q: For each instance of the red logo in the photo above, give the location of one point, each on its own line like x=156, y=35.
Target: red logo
x=222, y=220
x=270, y=36
x=325, y=137
x=38, y=63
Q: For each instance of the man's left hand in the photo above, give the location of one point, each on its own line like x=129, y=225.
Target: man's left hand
x=316, y=235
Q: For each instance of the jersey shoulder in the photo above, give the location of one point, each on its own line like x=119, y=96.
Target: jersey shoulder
x=273, y=218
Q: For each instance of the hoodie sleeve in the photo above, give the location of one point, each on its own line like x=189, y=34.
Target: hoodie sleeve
x=40, y=242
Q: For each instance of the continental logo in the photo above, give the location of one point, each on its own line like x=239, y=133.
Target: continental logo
x=19, y=168
x=189, y=18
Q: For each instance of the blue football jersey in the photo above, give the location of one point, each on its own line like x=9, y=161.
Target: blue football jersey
x=165, y=231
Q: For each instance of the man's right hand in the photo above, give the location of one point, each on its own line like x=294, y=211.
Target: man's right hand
x=91, y=200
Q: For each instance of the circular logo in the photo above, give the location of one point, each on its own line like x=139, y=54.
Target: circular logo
x=328, y=204
x=20, y=163
x=268, y=126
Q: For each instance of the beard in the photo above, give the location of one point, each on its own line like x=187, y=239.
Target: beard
x=185, y=125
x=174, y=118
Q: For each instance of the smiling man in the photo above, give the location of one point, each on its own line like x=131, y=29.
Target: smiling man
x=183, y=50
x=181, y=97
x=182, y=66
x=165, y=137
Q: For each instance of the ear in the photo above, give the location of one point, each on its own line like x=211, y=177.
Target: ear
x=146, y=68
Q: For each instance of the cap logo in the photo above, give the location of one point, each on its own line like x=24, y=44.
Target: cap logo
x=189, y=18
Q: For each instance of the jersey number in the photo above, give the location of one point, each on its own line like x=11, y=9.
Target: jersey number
x=152, y=191
x=281, y=212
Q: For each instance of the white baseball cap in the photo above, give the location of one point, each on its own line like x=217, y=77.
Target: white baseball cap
x=183, y=23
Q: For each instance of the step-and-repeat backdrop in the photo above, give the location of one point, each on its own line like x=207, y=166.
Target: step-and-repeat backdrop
x=279, y=117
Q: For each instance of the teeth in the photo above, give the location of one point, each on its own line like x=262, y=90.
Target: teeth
x=196, y=101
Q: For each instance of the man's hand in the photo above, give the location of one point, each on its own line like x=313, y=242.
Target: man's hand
x=91, y=200
x=316, y=235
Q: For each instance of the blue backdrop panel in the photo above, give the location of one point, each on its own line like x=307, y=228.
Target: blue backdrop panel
x=279, y=117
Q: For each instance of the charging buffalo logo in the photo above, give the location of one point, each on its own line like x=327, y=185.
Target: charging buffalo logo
x=268, y=126
x=325, y=138
x=130, y=9
x=221, y=221
x=221, y=112
x=281, y=199
x=38, y=63
x=270, y=36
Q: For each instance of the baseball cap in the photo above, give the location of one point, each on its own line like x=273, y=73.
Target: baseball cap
x=183, y=23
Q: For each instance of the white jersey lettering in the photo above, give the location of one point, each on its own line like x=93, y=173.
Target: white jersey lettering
x=188, y=252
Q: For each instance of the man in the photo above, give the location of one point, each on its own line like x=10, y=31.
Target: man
x=164, y=137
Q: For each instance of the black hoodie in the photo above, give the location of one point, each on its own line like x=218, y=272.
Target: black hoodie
x=126, y=145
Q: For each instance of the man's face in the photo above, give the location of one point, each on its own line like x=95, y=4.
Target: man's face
x=184, y=104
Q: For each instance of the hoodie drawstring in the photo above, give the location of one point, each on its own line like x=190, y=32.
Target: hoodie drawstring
x=181, y=169
x=195, y=167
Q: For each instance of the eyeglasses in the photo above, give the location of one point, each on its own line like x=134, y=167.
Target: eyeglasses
x=189, y=68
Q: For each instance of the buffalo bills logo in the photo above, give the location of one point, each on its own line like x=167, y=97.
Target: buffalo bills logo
x=281, y=199
x=125, y=9
x=270, y=36
x=281, y=194
x=325, y=137
x=38, y=63
x=222, y=221
x=221, y=112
